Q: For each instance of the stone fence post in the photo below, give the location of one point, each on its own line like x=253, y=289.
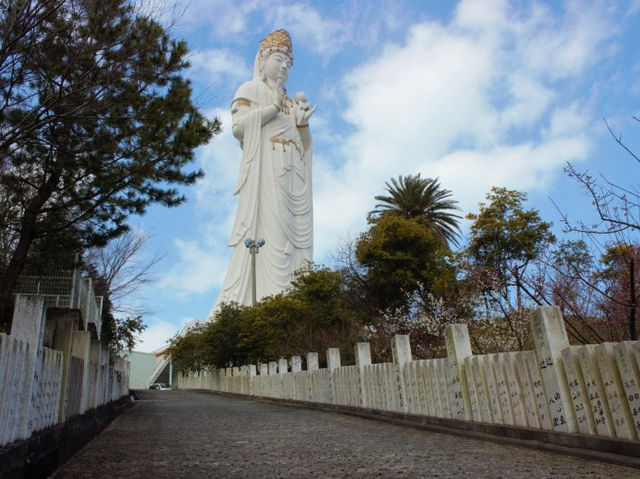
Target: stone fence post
x=333, y=362
x=66, y=324
x=312, y=361
x=296, y=364
x=283, y=366
x=363, y=358
x=253, y=379
x=81, y=348
x=28, y=325
x=458, y=349
x=401, y=352
x=312, y=365
x=550, y=338
x=333, y=358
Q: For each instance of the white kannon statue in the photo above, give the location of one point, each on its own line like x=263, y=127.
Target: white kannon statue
x=274, y=184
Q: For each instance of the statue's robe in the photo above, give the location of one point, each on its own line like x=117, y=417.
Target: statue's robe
x=275, y=198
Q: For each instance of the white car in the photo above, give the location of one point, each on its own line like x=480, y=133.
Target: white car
x=161, y=386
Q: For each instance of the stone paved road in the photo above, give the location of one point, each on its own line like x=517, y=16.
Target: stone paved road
x=177, y=434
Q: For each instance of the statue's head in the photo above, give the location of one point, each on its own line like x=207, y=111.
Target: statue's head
x=275, y=56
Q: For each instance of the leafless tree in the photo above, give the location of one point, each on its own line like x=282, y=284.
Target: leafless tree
x=120, y=264
x=615, y=235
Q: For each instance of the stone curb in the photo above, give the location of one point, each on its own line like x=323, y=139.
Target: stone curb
x=47, y=450
x=613, y=451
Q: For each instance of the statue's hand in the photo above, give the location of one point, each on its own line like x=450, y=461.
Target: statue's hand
x=303, y=110
x=278, y=100
x=303, y=113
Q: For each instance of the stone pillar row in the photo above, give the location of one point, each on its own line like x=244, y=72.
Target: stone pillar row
x=590, y=389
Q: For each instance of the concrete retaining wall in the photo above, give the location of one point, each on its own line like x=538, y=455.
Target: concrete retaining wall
x=40, y=455
x=43, y=386
x=590, y=390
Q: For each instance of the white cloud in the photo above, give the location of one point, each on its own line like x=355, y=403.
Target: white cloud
x=321, y=35
x=225, y=20
x=155, y=336
x=158, y=332
x=201, y=263
x=199, y=269
x=219, y=66
x=483, y=100
x=634, y=7
x=479, y=102
x=220, y=161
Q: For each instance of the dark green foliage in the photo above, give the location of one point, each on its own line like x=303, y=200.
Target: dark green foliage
x=400, y=255
x=505, y=240
x=422, y=199
x=187, y=351
x=504, y=234
x=309, y=317
x=96, y=122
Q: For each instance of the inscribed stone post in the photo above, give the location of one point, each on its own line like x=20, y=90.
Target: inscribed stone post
x=296, y=364
x=428, y=406
x=283, y=366
x=94, y=364
x=526, y=388
x=579, y=397
x=66, y=324
x=28, y=325
x=253, y=379
x=458, y=349
x=12, y=387
x=312, y=365
x=482, y=393
x=539, y=396
x=630, y=375
x=502, y=387
x=550, y=338
x=595, y=390
x=333, y=362
x=104, y=375
x=333, y=358
x=635, y=348
x=512, y=378
x=312, y=361
x=471, y=387
x=443, y=389
x=408, y=376
x=263, y=380
x=486, y=364
x=618, y=405
x=363, y=359
x=81, y=348
x=401, y=352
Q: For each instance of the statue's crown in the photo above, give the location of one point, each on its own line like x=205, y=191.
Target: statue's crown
x=278, y=40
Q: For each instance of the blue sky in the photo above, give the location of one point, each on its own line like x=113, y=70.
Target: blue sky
x=476, y=92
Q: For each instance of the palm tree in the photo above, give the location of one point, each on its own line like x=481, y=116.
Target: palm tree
x=423, y=199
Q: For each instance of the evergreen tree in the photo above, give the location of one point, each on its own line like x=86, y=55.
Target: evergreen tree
x=422, y=199
x=96, y=123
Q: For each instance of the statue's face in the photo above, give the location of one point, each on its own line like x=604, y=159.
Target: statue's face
x=276, y=67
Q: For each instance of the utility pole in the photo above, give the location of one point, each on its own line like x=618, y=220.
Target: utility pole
x=254, y=247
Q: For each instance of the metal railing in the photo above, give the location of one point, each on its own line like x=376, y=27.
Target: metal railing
x=64, y=286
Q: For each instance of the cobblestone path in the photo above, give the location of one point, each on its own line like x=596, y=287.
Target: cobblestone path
x=177, y=434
